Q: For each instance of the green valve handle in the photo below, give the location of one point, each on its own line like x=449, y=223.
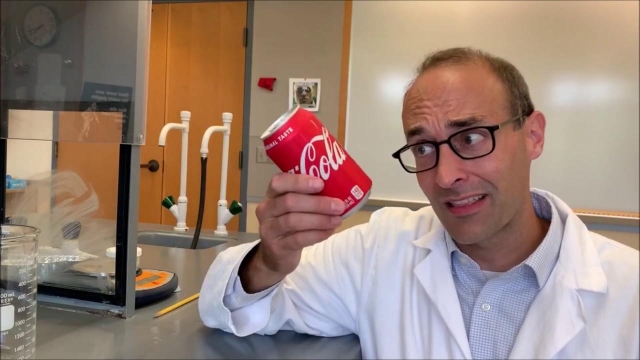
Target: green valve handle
x=168, y=202
x=235, y=208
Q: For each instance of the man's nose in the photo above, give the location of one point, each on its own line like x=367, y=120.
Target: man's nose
x=449, y=171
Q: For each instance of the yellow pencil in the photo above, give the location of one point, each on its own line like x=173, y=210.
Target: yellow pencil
x=176, y=305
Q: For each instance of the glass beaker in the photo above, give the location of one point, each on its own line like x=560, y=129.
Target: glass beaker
x=18, y=289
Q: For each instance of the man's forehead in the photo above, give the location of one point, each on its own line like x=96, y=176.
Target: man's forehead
x=446, y=78
x=453, y=91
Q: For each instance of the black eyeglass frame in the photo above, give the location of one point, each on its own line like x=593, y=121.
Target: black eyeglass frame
x=436, y=144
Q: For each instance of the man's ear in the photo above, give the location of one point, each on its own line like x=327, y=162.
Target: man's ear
x=534, y=127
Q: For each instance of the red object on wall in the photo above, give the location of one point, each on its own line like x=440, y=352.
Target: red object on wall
x=266, y=83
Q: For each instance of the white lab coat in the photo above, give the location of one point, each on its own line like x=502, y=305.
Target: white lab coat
x=390, y=282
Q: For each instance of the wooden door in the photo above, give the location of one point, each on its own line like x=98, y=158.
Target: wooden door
x=196, y=63
x=97, y=163
x=150, y=210
x=205, y=75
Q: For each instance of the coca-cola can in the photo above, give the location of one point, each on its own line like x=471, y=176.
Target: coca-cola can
x=299, y=143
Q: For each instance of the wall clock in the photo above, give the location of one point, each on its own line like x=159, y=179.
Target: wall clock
x=40, y=25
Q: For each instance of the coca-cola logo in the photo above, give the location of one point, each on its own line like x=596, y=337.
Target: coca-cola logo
x=318, y=163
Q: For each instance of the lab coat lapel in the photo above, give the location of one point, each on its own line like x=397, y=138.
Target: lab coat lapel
x=434, y=273
x=554, y=318
x=557, y=314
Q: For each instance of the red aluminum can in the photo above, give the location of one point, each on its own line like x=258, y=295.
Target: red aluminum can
x=298, y=143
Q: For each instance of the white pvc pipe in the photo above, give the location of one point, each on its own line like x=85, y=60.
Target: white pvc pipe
x=226, y=120
x=223, y=213
x=162, y=140
x=224, y=216
x=182, y=199
x=204, y=147
x=185, y=116
x=175, y=212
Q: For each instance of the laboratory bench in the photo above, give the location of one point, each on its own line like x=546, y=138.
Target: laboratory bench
x=180, y=334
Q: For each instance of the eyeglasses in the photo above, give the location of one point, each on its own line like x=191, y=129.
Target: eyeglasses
x=471, y=143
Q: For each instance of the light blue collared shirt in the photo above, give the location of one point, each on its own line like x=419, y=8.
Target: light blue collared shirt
x=494, y=305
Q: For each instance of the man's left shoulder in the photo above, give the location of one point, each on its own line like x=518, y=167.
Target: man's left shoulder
x=616, y=258
x=612, y=250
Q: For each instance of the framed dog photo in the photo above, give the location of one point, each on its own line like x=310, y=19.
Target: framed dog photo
x=305, y=93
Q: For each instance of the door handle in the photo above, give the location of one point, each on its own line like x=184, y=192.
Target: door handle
x=152, y=165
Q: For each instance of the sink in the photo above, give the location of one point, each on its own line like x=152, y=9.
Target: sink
x=177, y=240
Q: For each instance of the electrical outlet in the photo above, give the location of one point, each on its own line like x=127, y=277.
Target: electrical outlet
x=261, y=156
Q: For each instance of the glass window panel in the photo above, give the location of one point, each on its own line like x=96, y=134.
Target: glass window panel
x=73, y=78
x=88, y=58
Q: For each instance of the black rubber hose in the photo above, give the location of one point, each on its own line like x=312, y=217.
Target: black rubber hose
x=203, y=187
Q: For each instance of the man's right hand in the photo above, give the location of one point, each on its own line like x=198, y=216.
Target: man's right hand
x=291, y=218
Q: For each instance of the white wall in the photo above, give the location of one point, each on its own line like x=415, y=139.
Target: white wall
x=580, y=59
x=110, y=42
x=292, y=39
x=377, y=91
x=26, y=158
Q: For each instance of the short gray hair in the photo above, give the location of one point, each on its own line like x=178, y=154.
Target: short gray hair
x=520, y=103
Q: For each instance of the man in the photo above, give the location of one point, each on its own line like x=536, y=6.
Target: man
x=303, y=94
x=491, y=270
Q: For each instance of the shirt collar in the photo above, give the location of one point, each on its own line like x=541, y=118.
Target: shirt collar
x=544, y=258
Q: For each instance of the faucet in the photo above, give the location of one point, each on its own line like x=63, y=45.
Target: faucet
x=224, y=214
x=181, y=212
